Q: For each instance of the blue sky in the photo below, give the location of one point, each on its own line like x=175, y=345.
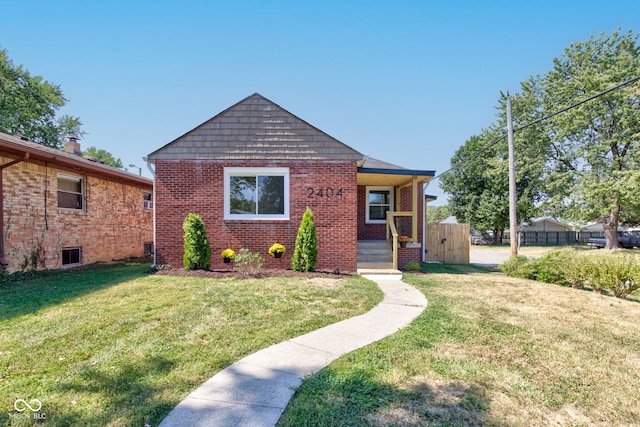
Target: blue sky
x=407, y=82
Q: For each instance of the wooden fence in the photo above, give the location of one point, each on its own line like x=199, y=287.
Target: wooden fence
x=449, y=243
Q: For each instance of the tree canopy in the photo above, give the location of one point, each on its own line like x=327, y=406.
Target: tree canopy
x=582, y=164
x=479, y=189
x=104, y=156
x=592, y=168
x=435, y=214
x=29, y=106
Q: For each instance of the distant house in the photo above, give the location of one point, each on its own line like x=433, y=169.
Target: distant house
x=545, y=223
x=596, y=227
x=62, y=210
x=449, y=220
x=252, y=170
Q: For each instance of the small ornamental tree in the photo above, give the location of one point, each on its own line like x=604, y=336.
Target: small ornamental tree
x=197, y=252
x=305, y=253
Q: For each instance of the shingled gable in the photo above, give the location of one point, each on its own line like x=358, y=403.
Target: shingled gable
x=255, y=128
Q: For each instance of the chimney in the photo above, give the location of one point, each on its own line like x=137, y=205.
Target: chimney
x=73, y=146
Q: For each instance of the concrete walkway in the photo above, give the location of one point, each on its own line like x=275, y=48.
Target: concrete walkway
x=256, y=390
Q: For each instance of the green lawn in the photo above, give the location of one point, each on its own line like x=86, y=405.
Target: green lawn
x=488, y=350
x=114, y=346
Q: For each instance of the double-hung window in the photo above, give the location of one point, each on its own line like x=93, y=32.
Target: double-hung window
x=256, y=193
x=70, y=192
x=379, y=202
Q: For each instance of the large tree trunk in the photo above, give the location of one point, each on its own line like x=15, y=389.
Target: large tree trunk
x=497, y=236
x=610, y=226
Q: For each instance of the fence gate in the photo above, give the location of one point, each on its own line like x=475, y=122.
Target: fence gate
x=448, y=243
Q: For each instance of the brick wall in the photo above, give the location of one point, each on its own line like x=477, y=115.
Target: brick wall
x=368, y=231
x=406, y=255
x=198, y=186
x=113, y=225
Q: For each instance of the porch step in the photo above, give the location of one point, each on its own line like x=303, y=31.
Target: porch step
x=374, y=254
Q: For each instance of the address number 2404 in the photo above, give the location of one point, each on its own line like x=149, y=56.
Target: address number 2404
x=312, y=192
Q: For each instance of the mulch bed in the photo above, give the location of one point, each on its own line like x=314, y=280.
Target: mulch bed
x=264, y=272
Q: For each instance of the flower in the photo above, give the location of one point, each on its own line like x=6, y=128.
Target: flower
x=228, y=253
x=277, y=248
x=404, y=239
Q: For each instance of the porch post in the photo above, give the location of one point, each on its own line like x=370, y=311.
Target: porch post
x=414, y=209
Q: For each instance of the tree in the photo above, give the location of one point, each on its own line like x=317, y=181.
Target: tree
x=592, y=168
x=28, y=106
x=478, y=184
x=104, y=156
x=197, y=252
x=435, y=214
x=305, y=252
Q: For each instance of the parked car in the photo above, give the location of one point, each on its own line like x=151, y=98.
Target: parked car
x=626, y=240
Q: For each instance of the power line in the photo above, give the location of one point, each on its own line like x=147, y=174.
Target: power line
x=577, y=104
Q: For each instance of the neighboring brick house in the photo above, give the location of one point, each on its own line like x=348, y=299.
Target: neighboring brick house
x=251, y=171
x=62, y=210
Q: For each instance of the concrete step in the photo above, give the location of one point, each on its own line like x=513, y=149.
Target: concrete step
x=375, y=253
x=375, y=258
x=375, y=265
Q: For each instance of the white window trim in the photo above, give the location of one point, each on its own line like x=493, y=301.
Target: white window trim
x=83, y=184
x=391, y=191
x=229, y=172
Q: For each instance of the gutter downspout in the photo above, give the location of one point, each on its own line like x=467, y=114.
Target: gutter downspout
x=153, y=197
x=2, y=168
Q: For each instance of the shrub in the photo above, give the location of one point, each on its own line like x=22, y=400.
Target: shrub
x=550, y=268
x=197, y=252
x=305, y=252
x=578, y=271
x=619, y=275
x=518, y=266
x=411, y=266
x=247, y=263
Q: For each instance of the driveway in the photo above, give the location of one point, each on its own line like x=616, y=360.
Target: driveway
x=488, y=258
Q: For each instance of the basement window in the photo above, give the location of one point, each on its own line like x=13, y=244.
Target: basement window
x=256, y=193
x=70, y=192
x=71, y=257
x=148, y=248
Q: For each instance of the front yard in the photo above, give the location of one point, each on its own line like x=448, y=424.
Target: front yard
x=114, y=346
x=488, y=350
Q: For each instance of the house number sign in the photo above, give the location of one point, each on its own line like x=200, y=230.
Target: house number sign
x=321, y=192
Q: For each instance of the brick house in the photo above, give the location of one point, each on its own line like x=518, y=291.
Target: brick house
x=62, y=210
x=251, y=171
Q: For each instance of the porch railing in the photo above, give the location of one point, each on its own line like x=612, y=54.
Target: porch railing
x=392, y=233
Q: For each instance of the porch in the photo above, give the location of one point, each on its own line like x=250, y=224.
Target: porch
x=390, y=206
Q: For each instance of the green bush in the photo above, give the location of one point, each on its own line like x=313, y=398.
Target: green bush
x=550, y=268
x=518, y=266
x=197, y=252
x=247, y=263
x=578, y=270
x=619, y=275
x=615, y=273
x=411, y=266
x=305, y=252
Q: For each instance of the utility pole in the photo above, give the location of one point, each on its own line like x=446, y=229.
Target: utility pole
x=513, y=219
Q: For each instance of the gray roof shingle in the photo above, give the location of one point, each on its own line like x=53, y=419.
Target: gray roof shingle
x=255, y=128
